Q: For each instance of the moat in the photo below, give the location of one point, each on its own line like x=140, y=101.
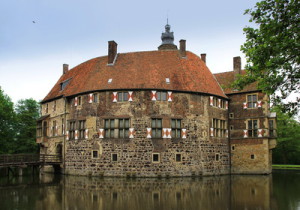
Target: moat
x=281, y=190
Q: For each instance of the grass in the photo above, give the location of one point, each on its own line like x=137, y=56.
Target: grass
x=286, y=167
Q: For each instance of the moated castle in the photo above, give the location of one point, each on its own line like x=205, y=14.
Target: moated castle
x=156, y=114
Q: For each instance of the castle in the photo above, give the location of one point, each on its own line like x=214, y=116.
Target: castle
x=156, y=114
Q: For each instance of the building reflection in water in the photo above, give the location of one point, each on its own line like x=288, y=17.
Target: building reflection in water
x=73, y=192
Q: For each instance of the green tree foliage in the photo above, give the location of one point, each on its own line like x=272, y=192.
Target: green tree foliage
x=27, y=112
x=287, y=150
x=18, y=126
x=7, y=123
x=273, y=51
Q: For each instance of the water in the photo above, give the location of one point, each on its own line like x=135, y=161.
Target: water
x=281, y=190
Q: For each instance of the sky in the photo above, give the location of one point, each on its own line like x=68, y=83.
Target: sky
x=38, y=36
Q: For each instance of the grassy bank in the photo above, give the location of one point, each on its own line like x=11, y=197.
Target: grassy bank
x=286, y=167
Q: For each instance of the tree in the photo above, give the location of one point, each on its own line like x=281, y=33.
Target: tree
x=7, y=123
x=27, y=112
x=273, y=51
x=287, y=150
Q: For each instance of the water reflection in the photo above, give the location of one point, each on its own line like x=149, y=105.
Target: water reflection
x=221, y=192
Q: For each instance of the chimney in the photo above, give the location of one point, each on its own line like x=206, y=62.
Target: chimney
x=237, y=66
x=112, y=52
x=182, y=48
x=203, y=57
x=65, y=68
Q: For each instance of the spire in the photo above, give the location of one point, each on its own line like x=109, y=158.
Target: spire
x=167, y=39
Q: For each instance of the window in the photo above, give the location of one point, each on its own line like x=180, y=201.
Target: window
x=252, y=128
x=252, y=101
x=220, y=127
x=114, y=157
x=123, y=96
x=45, y=128
x=79, y=101
x=109, y=127
x=64, y=84
x=161, y=96
x=232, y=148
x=231, y=115
x=54, y=106
x=95, y=154
x=62, y=127
x=95, y=98
x=81, y=129
x=72, y=130
x=156, y=126
x=231, y=127
x=178, y=157
x=271, y=128
x=54, y=128
x=217, y=157
x=117, y=128
x=252, y=157
x=176, y=128
x=155, y=158
x=123, y=128
x=46, y=108
x=39, y=129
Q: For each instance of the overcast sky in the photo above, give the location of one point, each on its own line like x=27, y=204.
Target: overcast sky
x=38, y=36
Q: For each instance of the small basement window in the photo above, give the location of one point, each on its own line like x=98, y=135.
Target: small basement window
x=155, y=157
x=178, y=157
x=217, y=157
x=95, y=154
x=114, y=157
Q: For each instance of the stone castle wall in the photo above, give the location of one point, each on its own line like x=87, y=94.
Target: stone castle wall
x=198, y=151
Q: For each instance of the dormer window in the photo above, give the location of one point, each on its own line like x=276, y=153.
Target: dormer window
x=64, y=84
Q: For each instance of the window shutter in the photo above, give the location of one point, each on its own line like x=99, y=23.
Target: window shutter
x=219, y=103
x=211, y=100
x=115, y=96
x=91, y=98
x=130, y=96
x=226, y=134
x=51, y=131
x=183, y=132
x=260, y=132
x=67, y=135
x=101, y=133
x=76, y=134
x=56, y=130
x=211, y=131
x=259, y=104
x=63, y=129
x=76, y=101
x=149, y=133
x=170, y=96
x=153, y=95
x=245, y=133
x=131, y=133
x=226, y=105
x=169, y=132
x=86, y=133
x=245, y=105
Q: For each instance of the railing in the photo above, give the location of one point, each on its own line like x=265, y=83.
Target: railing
x=29, y=159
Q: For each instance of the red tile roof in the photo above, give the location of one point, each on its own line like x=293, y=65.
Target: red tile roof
x=225, y=79
x=140, y=70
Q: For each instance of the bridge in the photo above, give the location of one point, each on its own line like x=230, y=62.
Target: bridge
x=21, y=161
